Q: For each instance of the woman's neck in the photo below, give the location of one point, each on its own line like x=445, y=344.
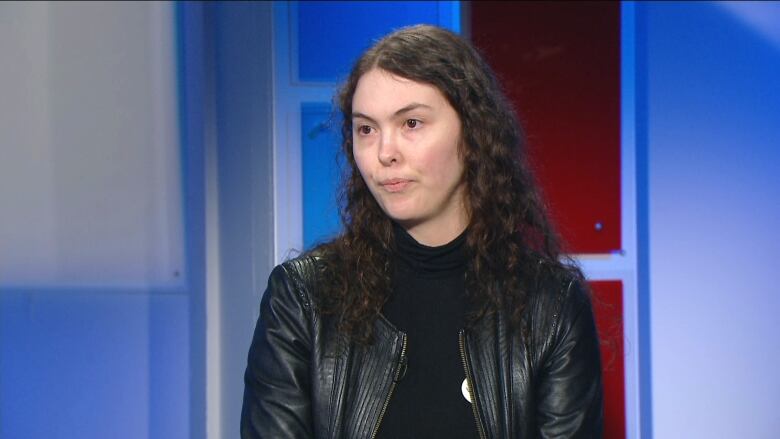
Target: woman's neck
x=448, y=258
x=434, y=235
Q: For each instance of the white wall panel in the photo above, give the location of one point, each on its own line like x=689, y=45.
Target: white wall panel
x=90, y=174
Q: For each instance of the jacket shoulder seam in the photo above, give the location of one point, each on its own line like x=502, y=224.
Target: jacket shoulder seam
x=294, y=270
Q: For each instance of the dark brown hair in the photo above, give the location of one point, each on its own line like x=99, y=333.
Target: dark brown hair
x=509, y=237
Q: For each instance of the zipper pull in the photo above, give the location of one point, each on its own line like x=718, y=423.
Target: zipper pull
x=403, y=364
x=401, y=369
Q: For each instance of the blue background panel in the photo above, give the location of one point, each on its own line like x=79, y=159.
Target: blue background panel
x=93, y=364
x=321, y=162
x=74, y=364
x=333, y=34
x=710, y=137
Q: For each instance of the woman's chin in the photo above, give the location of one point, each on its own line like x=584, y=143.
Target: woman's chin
x=401, y=213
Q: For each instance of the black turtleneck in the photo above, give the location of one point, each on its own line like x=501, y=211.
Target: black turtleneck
x=428, y=303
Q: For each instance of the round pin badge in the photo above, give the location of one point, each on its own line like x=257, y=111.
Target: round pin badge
x=464, y=388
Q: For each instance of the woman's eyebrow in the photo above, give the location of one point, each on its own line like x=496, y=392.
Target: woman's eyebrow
x=399, y=112
x=410, y=107
x=357, y=114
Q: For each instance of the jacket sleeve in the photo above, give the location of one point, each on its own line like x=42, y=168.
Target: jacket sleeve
x=277, y=402
x=570, y=390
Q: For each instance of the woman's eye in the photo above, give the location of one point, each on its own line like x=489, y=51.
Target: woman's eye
x=364, y=130
x=412, y=123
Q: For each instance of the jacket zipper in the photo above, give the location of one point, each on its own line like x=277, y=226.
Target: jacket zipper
x=467, y=369
x=401, y=365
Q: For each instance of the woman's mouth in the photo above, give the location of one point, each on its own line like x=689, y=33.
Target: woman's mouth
x=394, y=184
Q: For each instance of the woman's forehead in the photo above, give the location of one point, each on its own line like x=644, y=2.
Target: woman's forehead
x=379, y=92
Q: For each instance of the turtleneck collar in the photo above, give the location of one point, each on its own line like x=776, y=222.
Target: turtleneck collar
x=421, y=259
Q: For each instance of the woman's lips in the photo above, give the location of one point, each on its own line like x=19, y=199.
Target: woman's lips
x=395, y=184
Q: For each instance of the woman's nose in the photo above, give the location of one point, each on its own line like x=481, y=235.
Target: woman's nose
x=388, y=150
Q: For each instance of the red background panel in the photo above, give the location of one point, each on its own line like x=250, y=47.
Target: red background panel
x=608, y=310
x=559, y=63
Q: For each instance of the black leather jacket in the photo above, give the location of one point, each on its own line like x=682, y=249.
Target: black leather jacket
x=305, y=381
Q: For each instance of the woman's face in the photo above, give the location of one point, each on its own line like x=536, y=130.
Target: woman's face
x=406, y=144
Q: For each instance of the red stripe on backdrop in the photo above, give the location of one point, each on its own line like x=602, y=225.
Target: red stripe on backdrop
x=608, y=311
x=559, y=63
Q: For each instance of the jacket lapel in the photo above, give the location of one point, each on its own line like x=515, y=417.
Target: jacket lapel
x=370, y=371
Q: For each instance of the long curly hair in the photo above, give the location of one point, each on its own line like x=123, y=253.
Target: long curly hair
x=509, y=238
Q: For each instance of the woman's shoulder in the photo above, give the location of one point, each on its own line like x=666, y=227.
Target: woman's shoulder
x=305, y=267
x=300, y=273
x=303, y=275
x=558, y=294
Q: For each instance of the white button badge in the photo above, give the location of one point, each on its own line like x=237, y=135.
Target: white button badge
x=464, y=388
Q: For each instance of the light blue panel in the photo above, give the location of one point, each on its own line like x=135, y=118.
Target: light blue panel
x=196, y=98
x=634, y=129
x=244, y=160
x=320, y=144
x=712, y=122
x=331, y=35
x=169, y=366
x=75, y=365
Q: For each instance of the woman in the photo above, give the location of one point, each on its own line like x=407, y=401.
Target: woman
x=442, y=310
